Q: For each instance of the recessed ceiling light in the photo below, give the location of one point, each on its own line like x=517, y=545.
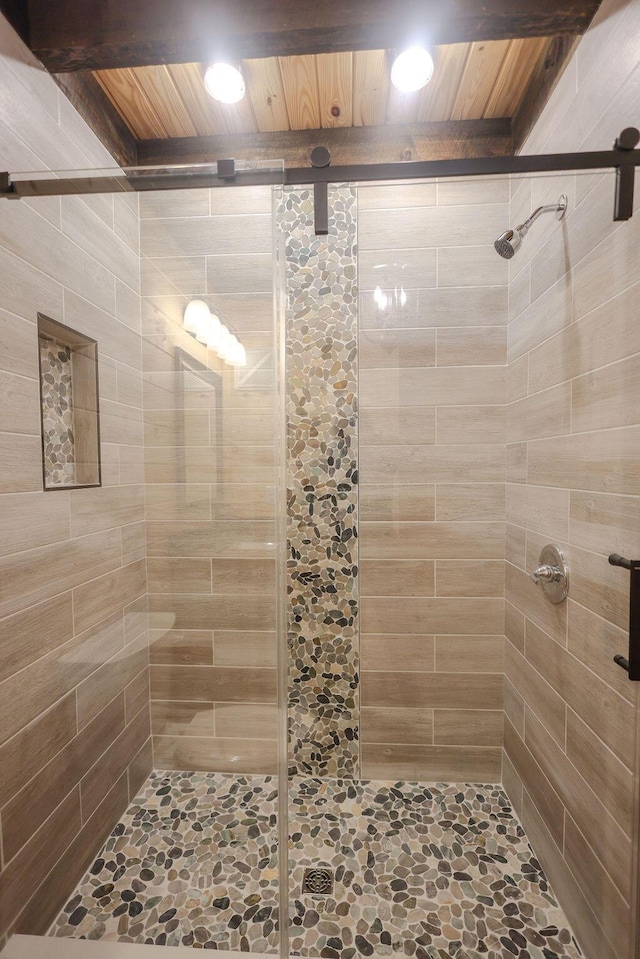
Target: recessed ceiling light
x=412, y=69
x=224, y=82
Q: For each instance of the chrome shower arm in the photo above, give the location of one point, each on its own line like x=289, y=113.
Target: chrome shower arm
x=509, y=242
x=558, y=208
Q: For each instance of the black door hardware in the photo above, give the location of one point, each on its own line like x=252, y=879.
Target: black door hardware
x=632, y=664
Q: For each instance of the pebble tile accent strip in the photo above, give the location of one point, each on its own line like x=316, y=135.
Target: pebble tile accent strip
x=322, y=476
x=435, y=872
x=57, y=413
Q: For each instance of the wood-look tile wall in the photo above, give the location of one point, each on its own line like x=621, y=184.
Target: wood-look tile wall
x=573, y=468
x=74, y=688
x=210, y=467
x=432, y=471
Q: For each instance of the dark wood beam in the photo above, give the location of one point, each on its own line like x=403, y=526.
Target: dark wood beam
x=348, y=145
x=94, y=106
x=17, y=13
x=541, y=86
x=85, y=93
x=70, y=35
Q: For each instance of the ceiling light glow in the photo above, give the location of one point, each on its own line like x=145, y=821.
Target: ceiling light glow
x=381, y=299
x=224, y=83
x=412, y=69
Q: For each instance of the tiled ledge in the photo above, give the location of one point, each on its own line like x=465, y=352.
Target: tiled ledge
x=47, y=947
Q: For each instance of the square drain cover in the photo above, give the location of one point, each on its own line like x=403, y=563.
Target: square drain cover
x=318, y=881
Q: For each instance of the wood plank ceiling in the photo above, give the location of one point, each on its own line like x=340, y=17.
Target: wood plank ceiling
x=315, y=74
x=471, y=81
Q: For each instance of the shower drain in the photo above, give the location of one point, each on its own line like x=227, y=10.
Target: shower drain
x=317, y=881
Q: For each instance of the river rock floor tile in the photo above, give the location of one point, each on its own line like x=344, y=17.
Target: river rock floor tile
x=193, y=862
x=437, y=872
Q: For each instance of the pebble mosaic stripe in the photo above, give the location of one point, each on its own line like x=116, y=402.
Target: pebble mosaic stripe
x=322, y=476
x=57, y=413
x=435, y=872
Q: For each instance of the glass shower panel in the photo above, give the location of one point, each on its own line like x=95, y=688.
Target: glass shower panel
x=149, y=781
x=210, y=439
x=460, y=396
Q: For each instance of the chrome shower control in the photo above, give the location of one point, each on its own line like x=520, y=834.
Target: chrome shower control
x=552, y=574
x=547, y=574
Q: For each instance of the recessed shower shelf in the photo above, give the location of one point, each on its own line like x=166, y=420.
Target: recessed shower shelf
x=68, y=406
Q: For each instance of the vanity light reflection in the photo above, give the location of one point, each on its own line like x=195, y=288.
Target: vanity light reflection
x=209, y=330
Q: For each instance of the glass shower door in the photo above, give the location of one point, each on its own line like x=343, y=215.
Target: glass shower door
x=169, y=825
x=210, y=431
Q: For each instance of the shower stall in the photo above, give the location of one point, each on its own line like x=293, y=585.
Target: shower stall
x=364, y=729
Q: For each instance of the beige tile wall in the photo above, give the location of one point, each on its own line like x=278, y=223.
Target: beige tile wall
x=74, y=695
x=74, y=688
x=432, y=471
x=573, y=467
x=210, y=485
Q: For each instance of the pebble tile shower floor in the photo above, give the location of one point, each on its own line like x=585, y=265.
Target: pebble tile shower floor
x=437, y=872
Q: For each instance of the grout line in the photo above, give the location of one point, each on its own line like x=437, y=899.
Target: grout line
x=63, y=854
x=44, y=823
x=108, y=748
x=582, y=664
x=229, y=738
x=78, y=786
x=607, y=748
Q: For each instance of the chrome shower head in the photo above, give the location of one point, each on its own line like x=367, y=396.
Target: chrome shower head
x=509, y=242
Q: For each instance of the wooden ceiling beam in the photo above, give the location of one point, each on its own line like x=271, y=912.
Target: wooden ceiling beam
x=17, y=13
x=95, y=107
x=69, y=35
x=348, y=145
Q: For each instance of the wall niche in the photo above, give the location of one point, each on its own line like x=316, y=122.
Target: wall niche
x=68, y=406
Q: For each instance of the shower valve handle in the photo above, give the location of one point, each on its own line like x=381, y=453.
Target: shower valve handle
x=547, y=574
x=552, y=574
